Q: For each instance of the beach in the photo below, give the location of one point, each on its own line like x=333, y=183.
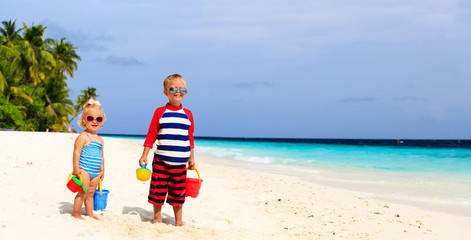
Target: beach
x=233, y=203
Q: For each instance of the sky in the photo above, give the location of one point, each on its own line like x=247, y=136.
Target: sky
x=389, y=69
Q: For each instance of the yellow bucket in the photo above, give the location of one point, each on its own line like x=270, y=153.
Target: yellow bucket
x=143, y=174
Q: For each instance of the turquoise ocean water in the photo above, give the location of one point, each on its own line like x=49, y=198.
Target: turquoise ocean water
x=432, y=178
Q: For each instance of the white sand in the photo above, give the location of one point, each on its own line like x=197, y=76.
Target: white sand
x=234, y=203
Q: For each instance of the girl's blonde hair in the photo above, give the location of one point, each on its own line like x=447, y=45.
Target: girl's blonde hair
x=171, y=78
x=86, y=108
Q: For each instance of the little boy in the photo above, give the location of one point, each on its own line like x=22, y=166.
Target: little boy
x=172, y=126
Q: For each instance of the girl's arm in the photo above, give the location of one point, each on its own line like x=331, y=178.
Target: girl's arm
x=102, y=167
x=79, y=142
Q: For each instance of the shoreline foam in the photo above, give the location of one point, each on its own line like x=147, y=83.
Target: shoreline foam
x=391, y=191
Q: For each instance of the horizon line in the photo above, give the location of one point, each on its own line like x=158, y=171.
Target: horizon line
x=446, y=143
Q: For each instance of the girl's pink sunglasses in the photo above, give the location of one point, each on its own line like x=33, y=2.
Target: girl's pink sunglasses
x=90, y=119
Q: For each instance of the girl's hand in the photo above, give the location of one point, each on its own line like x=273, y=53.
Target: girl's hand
x=102, y=175
x=76, y=172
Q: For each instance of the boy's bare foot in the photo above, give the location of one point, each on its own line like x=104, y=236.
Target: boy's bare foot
x=179, y=224
x=78, y=216
x=157, y=214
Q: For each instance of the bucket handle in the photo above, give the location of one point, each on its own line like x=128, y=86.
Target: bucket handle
x=99, y=186
x=199, y=178
x=68, y=178
x=81, y=182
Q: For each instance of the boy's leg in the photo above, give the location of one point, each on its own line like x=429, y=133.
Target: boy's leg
x=158, y=187
x=178, y=211
x=176, y=195
x=177, y=185
x=89, y=197
x=159, y=183
x=80, y=197
x=157, y=214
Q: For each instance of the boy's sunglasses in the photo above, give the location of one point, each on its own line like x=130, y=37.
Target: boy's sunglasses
x=174, y=90
x=90, y=119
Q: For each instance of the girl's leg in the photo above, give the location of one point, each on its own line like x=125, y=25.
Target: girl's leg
x=89, y=197
x=78, y=202
x=157, y=214
x=79, y=199
x=178, y=211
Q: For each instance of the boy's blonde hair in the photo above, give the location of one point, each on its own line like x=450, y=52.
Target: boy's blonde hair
x=171, y=78
x=86, y=108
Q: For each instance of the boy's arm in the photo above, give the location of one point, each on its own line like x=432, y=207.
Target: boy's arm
x=143, y=158
x=153, y=128
x=192, y=127
x=151, y=135
x=191, y=161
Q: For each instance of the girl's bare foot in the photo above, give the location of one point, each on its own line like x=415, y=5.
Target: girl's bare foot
x=179, y=224
x=94, y=217
x=78, y=216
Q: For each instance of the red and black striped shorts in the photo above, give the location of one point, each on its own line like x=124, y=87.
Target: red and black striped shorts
x=169, y=179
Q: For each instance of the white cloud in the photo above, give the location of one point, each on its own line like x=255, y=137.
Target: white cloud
x=84, y=41
x=122, y=61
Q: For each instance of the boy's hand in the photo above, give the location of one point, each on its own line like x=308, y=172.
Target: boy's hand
x=191, y=164
x=142, y=160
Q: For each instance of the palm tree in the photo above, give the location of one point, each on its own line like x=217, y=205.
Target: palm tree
x=64, y=55
x=56, y=95
x=9, y=32
x=33, y=75
x=38, y=62
x=9, y=55
x=57, y=104
x=7, y=69
x=82, y=99
x=11, y=74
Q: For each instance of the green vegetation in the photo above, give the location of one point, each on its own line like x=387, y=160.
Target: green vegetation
x=33, y=80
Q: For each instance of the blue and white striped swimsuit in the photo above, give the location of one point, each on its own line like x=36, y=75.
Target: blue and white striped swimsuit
x=90, y=158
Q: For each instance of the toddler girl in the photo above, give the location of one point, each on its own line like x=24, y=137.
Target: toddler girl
x=88, y=160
